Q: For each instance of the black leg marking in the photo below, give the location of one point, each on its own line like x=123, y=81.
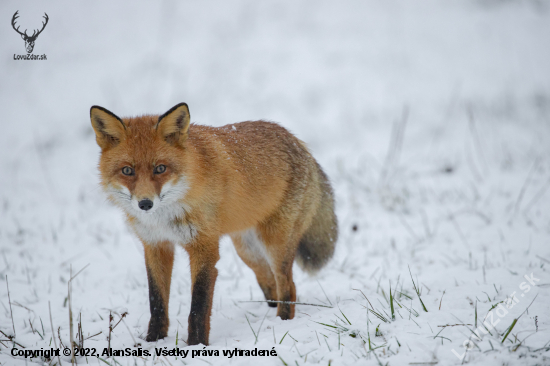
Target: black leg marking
x=201, y=304
x=158, y=325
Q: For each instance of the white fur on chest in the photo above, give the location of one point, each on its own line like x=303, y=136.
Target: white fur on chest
x=165, y=224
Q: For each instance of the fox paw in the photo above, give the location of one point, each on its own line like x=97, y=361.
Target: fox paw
x=156, y=332
x=153, y=337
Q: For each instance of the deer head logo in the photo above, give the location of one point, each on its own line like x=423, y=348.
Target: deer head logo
x=29, y=40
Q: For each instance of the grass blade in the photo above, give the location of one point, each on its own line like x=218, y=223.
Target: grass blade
x=476, y=316
x=509, y=330
x=255, y=336
x=326, y=325
x=417, y=290
x=281, y=341
x=344, y=316
x=391, y=305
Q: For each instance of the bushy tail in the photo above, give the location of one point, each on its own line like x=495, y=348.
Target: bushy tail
x=317, y=244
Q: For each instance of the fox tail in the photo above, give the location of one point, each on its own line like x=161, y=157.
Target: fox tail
x=317, y=244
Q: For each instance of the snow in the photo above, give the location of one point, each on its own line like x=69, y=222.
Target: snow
x=432, y=120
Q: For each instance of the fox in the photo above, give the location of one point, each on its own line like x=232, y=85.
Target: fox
x=184, y=184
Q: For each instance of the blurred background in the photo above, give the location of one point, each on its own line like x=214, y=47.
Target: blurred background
x=432, y=119
x=338, y=74
x=323, y=68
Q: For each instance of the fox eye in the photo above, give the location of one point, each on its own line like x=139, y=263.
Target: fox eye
x=159, y=169
x=127, y=170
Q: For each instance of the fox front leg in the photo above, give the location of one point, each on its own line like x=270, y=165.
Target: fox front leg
x=159, y=259
x=203, y=256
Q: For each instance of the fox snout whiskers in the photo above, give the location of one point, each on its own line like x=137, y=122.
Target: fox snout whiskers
x=145, y=205
x=173, y=191
x=119, y=195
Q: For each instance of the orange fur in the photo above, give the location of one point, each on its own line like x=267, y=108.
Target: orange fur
x=252, y=180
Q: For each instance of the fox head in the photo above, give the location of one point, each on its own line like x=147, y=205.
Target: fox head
x=143, y=159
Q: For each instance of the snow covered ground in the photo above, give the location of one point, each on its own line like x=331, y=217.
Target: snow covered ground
x=432, y=119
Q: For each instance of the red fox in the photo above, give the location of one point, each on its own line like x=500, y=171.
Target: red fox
x=186, y=184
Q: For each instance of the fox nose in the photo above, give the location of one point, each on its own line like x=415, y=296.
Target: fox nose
x=145, y=204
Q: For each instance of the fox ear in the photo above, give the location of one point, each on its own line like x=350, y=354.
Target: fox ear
x=108, y=128
x=174, y=124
